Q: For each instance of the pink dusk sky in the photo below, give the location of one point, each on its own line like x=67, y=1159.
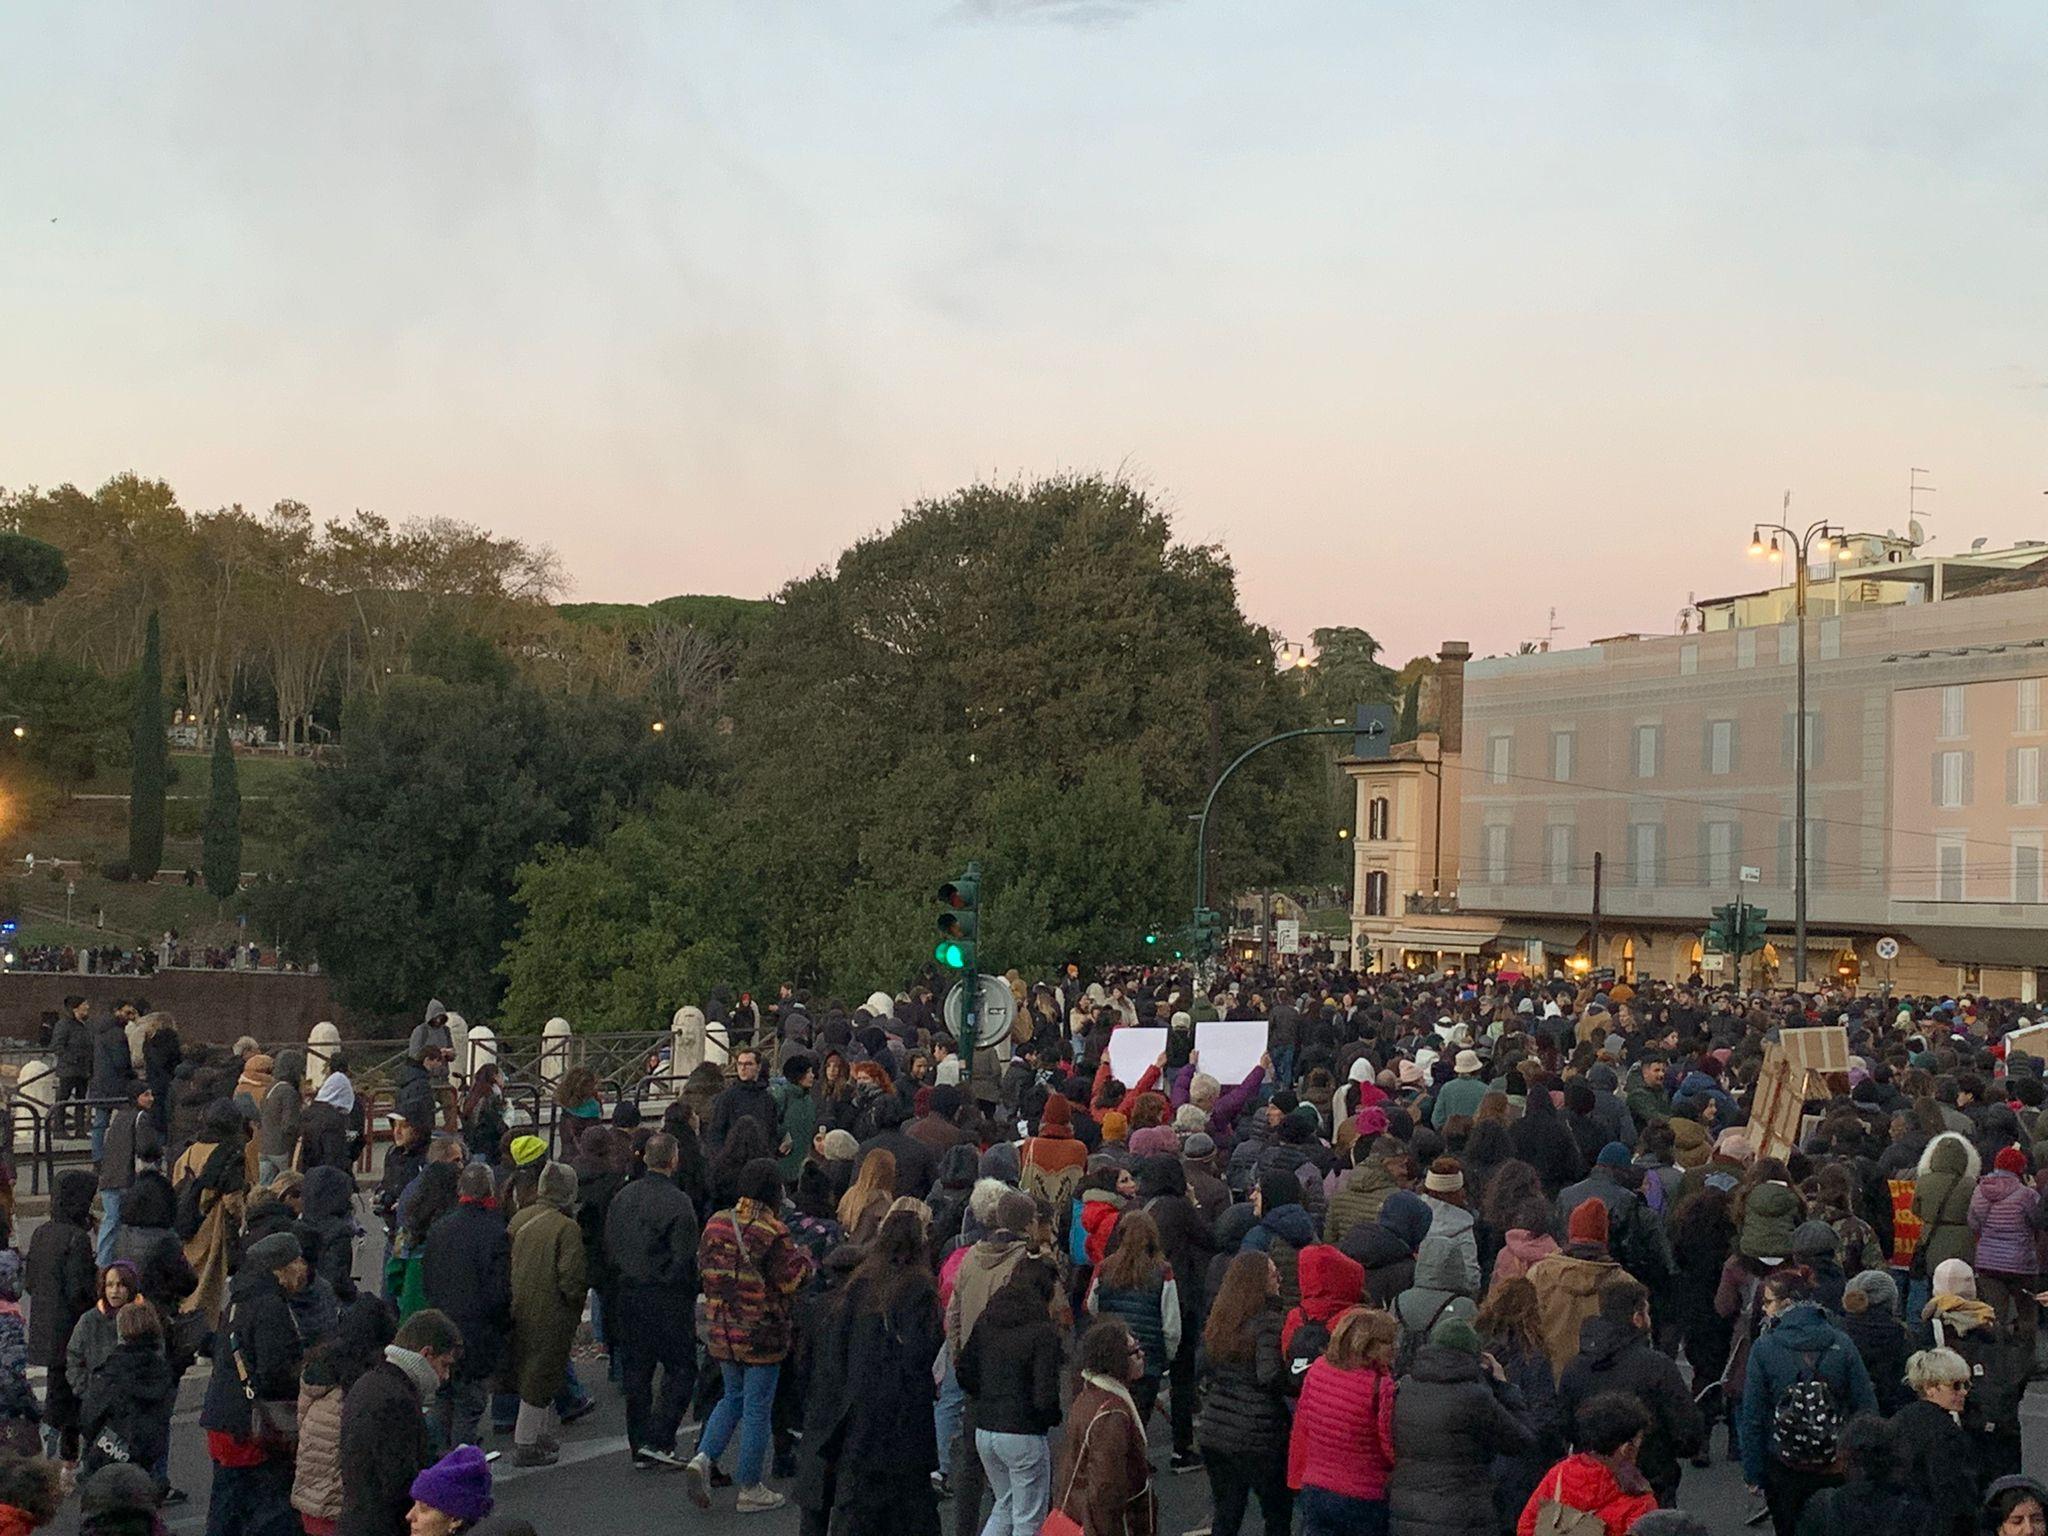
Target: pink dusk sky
x=1435, y=315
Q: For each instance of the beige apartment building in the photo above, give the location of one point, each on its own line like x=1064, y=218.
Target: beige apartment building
x=1671, y=759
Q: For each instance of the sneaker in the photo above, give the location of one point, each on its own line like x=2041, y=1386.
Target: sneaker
x=535, y=1456
x=648, y=1459
x=697, y=1480
x=176, y=1496
x=942, y=1486
x=1185, y=1461
x=759, y=1499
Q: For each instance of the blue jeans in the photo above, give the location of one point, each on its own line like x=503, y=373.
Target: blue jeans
x=100, y=1117
x=946, y=1413
x=1019, y=1471
x=1283, y=1066
x=110, y=1218
x=1324, y=1513
x=749, y=1395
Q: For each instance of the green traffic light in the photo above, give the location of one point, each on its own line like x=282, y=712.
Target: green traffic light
x=952, y=954
x=1151, y=938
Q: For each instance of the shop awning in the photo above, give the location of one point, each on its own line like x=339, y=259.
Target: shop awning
x=1456, y=941
x=1551, y=935
x=1983, y=946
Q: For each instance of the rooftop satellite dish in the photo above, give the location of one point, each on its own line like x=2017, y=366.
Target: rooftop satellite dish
x=1915, y=532
x=1977, y=544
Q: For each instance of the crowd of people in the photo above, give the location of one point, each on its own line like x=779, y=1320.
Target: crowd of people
x=1463, y=1255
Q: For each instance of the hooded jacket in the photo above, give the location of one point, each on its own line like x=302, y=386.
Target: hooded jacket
x=1769, y=1214
x=466, y=1272
x=1616, y=1357
x=983, y=1272
x=1387, y=1261
x=1439, y=1292
x=1184, y=1233
x=1942, y=1194
x=59, y=1274
x=1520, y=1252
x=1567, y=1293
x=1011, y=1366
x=1281, y=1235
x=1777, y=1359
x=1343, y=1436
x=1245, y=1411
x=1360, y=1194
x=2002, y=1215
x=1450, y=1421
x=1331, y=1284
x=1588, y=1482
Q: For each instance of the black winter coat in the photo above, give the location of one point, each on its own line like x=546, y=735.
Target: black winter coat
x=884, y=1363
x=258, y=1320
x=131, y=1133
x=1450, y=1421
x=916, y=1168
x=1880, y=1338
x=1184, y=1233
x=384, y=1446
x=145, y=1239
x=328, y=1210
x=71, y=1043
x=1940, y=1466
x=650, y=1237
x=129, y=1397
x=1614, y=1357
x=739, y=1099
x=1245, y=1411
x=467, y=1273
x=1388, y=1260
x=60, y=1274
x=1011, y=1366
x=327, y=1137
x=113, y=1068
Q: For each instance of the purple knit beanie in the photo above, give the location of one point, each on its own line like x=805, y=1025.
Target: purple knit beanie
x=458, y=1485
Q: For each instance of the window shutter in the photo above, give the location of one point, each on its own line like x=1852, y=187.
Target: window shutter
x=1817, y=748
x=1969, y=778
x=1734, y=746
x=2012, y=775
x=1934, y=778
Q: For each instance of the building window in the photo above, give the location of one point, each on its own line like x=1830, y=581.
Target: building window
x=1717, y=852
x=1720, y=746
x=1500, y=758
x=1745, y=648
x=1376, y=893
x=1496, y=855
x=1688, y=660
x=1830, y=639
x=1562, y=745
x=1628, y=960
x=1816, y=738
x=1951, y=713
x=1646, y=853
x=1378, y=815
x=1557, y=853
x=1788, y=644
x=1971, y=976
x=2026, y=867
x=2027, y=717
x=1948, y=869
x=1646, y=751
x=2023, y=776
x=1816, y=852
x=1952, y=779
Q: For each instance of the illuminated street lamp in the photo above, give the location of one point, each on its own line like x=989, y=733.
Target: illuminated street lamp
x=1822, y=537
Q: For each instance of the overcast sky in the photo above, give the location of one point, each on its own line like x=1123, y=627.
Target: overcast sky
x=1435, y=315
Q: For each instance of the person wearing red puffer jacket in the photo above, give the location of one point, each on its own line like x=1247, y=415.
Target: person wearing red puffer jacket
x=2004, y=1210
x=1340, y=1452
x=1602, y=1478
x=1332, y=1283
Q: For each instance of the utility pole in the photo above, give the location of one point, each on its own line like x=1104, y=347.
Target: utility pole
x=1593, y=940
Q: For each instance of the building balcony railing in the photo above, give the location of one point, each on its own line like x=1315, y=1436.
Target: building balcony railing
x=1425, y=904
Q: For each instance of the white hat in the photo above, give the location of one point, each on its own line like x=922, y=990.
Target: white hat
x=1526, y=1005
x=1467, y=1063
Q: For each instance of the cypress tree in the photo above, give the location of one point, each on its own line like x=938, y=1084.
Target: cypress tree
x=221, y=858
x=152, y=765
x=1406, y=726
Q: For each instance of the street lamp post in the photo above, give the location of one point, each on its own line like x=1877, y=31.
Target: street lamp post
x=1820, y=535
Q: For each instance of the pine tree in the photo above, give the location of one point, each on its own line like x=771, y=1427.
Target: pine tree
x=221, y=858
x=152, y=763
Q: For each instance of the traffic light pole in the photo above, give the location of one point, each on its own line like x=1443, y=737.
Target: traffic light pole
x=1202, y=823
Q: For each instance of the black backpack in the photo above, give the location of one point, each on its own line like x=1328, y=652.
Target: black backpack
x=1806, y=1420
x=190, y=1215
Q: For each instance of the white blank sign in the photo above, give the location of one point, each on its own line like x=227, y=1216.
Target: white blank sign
x=1229, y=1051
x=1131, y=1051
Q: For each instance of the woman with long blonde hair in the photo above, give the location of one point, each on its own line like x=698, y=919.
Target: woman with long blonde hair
x=868, y=1198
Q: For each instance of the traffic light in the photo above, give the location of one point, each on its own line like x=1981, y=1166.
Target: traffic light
x=1151, y=938
x=1722, y=936
x=960, y=922
x=1206, y=932
x=1752, y=930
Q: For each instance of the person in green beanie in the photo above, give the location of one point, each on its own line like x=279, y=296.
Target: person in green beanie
x=1454, y=1413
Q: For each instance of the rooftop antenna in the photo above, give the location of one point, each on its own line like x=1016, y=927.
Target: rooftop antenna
x=1915, y=530
x=1553, y=631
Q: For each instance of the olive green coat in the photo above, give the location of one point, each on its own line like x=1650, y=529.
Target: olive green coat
x=548, y=1285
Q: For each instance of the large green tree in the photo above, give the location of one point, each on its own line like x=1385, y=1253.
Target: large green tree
x=31, y=571
x=410, y=845
x=151, y=761
x=221, y=848
x=1003, y=634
